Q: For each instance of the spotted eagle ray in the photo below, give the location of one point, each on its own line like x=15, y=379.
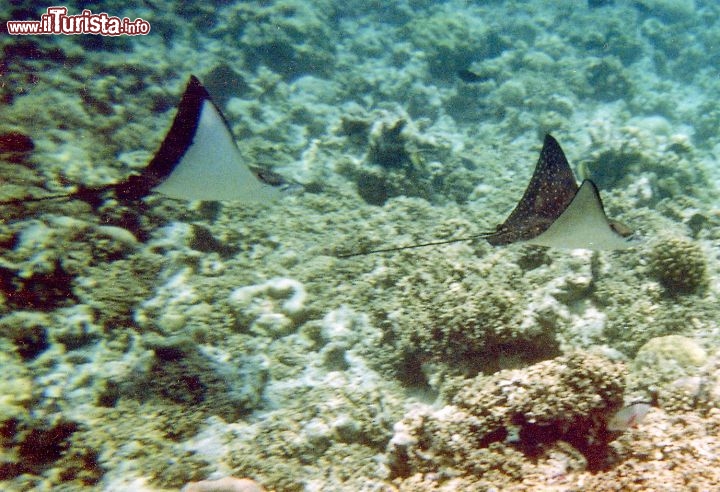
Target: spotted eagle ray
x=554, y=211
x=197, y=160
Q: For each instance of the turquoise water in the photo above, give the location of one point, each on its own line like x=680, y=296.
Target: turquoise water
x=150, y=343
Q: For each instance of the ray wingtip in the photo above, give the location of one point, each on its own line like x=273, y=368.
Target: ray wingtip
x=194, y=89
x=550, y=141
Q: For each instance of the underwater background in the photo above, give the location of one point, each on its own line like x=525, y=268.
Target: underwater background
x=165, y=344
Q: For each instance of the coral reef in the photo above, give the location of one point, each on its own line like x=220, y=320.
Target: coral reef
x=645, y=459
x=607, y=80
x=665, y=359
x=146, y=346
x=15, y=147
x=291, y=39
x=267, y=317
x=677, y=373
x=453, y=42
x=16, y=388
x=46, y=257
x=448, y=319
x=397, y=161
x=679, y=264
x=494, y=421
x=645, y=147
x=38, y=447
x=226, y=484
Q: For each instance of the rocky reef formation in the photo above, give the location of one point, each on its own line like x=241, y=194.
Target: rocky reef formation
x=493, y=424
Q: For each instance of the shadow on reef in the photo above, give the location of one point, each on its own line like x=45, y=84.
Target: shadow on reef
x=471, y=362
x=42, y=291
x=584, y=434
x=37, y=448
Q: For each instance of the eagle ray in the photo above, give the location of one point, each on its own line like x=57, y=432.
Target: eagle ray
x=197, y=160
x=554, y=212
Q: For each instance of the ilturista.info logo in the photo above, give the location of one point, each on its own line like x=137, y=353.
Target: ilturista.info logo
x=57, y=21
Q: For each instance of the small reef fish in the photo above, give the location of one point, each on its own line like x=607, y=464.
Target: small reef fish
x=628, y=417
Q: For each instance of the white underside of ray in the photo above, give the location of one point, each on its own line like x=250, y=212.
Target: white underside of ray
x=212, y=168
x=583, y=225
